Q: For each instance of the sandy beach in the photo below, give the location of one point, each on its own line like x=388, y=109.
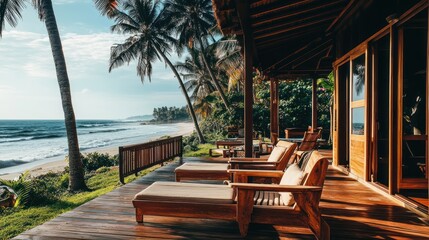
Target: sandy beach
x=58, y=164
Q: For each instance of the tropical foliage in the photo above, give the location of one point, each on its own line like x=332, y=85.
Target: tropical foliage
x=149, y=30
x=171, y=114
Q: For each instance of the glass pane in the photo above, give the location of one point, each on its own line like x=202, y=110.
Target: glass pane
x=413, y=158
x=358, y=86
x=358, y=120
x=414, y=93
x=382, y=114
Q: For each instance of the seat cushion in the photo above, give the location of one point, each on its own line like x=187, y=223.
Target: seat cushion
x=267, y=198
x=292, y=176
x=187, y=192
x=276, y=154
x=203, y=167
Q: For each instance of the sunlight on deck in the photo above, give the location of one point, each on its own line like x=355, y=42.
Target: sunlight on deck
x=352, y=211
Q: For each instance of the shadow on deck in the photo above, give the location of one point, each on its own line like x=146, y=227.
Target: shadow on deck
x=352, y=211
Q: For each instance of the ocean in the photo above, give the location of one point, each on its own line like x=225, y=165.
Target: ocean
x=34, y=142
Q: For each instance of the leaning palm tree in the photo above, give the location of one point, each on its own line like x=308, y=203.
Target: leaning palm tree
x=194, y=73
x=150, y=39
x=192, y=21
x=10, y=11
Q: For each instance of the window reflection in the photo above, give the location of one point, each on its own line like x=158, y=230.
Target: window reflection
x=358, y=121
x=358, y=87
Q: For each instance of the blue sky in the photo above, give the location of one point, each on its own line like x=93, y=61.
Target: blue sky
x=28, y=85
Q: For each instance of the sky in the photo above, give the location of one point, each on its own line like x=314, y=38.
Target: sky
x=28, y=83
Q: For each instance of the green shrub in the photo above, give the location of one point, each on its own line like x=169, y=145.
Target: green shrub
x=48, y=188
x=102, y=170
x=95, y=160
x=64, y=181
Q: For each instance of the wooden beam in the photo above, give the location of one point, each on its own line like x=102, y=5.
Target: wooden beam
x=244, y=17
x=311, y=57
x=347, y=8
x=314, y=104
x=290, y=55
x=274, y=110
x=281, y=39
x=310, y=53
x=284, y=30
x=282, y=16
x=317, y=18
x=278, y=9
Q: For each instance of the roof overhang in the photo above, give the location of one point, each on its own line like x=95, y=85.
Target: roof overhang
x=291, y=38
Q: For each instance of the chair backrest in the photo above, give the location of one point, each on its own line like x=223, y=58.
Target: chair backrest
x=315, y=170
x=286, y=158
x=309, y=142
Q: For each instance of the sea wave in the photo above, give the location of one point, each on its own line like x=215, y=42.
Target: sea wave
x=15, y=139
x=109, y=130
x=93, y=125
x=11, y=163
x=47, y=136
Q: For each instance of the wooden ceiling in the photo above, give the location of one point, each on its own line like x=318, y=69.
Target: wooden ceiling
x=292, y=38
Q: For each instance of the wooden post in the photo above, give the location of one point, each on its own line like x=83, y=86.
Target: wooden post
x=274, y=110
x=394, y=79
x=244, y=18
x=314, y=105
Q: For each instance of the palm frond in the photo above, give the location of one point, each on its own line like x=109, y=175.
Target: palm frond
x=107, y=7
x=10, y=12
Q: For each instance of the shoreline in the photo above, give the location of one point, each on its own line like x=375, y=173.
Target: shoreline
x=57, y=164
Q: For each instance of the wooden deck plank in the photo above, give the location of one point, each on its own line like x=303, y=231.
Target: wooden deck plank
x=352, y=211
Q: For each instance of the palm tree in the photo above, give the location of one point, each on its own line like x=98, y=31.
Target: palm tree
x=192, y=20
x=194, y=73
x=228, y=52
x=10, y=11
x=150, y=39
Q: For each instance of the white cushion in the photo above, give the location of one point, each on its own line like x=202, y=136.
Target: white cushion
x=187, y=192
x=292, y=176
x=203, y=167
x=276, y=154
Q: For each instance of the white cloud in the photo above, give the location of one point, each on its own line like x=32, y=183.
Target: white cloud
x=84, y=91
x=27, y=75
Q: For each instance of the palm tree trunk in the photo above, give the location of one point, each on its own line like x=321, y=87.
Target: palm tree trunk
x=188, y=100
x=76, y=180
x=216, y=83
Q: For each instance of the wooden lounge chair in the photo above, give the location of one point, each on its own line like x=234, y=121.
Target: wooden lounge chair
x=245, y=202
x=309, y=141
x=278, y=160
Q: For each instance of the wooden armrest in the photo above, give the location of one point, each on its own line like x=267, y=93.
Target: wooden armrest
x=251, y=162
x=256, y=173
x=246, y=159
x=276, y=188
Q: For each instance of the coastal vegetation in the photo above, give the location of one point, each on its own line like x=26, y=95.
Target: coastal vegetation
x=45, y=197
x=169, y=114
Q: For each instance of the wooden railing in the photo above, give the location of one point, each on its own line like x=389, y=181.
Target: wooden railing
x=134, y=158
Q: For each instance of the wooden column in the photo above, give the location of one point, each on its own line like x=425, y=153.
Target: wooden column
x=244, y=18
x=314, y=105
x=427, y=104
x=274, y=110
x=395, y=142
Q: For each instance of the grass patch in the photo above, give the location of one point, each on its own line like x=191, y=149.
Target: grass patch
x=202, y=151
x=17, y=220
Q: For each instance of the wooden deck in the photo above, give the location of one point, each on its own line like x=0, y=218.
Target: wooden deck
x=352, y=210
